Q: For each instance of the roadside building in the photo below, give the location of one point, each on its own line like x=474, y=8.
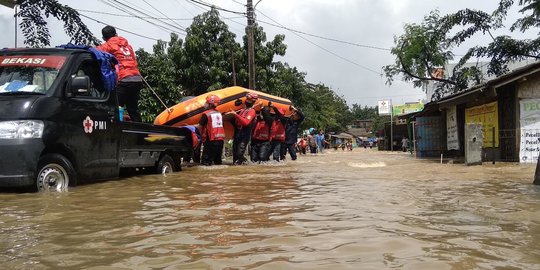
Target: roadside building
x=507, y=107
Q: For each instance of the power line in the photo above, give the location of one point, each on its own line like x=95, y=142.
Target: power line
x=180, y=4
x=140, y=10
x=326, y=50
x=119, y=7
x=127, y=9
x=217, y=7
x=229, y=19
x=131, y=16
x=181, y=27
x=127, y=31
x=319, y=36
x=326, y=38
x=146, y=17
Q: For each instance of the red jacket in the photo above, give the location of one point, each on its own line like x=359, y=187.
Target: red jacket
x=245, y=117
x=213, y=131
x=278, y=131
x=120, y=48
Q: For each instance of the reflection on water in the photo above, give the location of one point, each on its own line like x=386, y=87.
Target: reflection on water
x=342, y=210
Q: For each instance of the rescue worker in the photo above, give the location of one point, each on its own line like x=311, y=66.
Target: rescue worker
x=291, y=132
x=129, y=78
x=212, y=131
x=243, y=122
x=260, y=139
x=278, y=133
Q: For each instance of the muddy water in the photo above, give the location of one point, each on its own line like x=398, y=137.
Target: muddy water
x=342, y=210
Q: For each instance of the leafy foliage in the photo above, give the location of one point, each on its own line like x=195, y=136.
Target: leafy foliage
x=34, y=26
x=425, y=47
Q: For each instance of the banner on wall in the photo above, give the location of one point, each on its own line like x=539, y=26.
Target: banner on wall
x=452, y=137
x=407, y=108
x=488, y=116
x=529, y=120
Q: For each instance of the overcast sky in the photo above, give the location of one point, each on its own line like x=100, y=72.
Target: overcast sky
x=350, y=70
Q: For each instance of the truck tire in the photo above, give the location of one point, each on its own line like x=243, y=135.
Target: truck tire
x=54, y=173
x=165, y=165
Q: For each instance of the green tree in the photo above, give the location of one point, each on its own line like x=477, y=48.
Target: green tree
x=161, y=73
x=35, y=29
x=429, y=45
x=325, y=110
x=205, y=61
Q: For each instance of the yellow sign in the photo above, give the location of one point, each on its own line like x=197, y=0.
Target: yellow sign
x=488, y=116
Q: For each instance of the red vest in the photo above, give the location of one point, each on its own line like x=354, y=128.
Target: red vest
x=213, y=131
x=278, y=131
x=123, y=52
x=261, y=131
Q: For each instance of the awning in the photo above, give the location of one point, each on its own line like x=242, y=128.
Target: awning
x=342, y=136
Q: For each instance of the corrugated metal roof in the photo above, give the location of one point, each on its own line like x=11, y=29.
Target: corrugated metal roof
x=512, y=76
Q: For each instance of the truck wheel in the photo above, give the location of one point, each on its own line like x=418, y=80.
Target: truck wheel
x=54, y=173
x=165, y=165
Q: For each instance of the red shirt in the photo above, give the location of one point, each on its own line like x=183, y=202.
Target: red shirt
x=120, y=48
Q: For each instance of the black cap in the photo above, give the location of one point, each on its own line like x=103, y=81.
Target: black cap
x=108, y=32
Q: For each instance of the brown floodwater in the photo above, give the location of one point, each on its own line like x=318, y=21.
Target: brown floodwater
x=342, y=210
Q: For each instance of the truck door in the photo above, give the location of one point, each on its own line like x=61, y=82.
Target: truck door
x=94, y=124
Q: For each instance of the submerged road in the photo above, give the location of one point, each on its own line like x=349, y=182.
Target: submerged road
x=363, y=209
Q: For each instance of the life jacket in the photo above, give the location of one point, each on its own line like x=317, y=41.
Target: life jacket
x=120, y=48
x=106, y=63
x=242, y=131
x=278, y=131
x=303, y=143
x=213, y=131
x=261, y=131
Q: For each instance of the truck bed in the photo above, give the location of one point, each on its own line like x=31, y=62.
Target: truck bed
x=142, y=144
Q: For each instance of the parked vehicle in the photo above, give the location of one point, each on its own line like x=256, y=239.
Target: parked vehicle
x=60, y=126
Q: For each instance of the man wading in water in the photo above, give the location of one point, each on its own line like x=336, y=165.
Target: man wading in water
x=243, y=125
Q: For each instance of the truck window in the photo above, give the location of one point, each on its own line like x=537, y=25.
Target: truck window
x=91, y=69
x=29, y=73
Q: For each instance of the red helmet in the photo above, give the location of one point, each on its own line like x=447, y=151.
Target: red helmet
x=252, y=96
x=213, y=99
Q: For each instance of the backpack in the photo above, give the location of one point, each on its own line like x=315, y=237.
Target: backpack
x=106, y=63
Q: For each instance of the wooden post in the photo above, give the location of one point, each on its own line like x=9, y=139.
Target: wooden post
x=493, y=144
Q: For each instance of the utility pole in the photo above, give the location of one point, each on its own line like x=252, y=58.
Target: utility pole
x=251, y=45
x=233, y=68
x=16, y=27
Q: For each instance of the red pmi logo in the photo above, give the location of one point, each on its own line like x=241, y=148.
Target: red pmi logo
x=88, y=125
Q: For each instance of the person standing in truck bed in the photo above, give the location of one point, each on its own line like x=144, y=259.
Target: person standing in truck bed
x=129, y=78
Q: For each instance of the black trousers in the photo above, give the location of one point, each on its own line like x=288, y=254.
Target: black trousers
x=128, y=96
x=212, y=153
x=260, y=150
x=239, y=149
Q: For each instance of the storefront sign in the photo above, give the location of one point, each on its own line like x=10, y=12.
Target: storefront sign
x=452, y=138
x=488, y=116
x=385, y=107
x=407, y=108
x=529, y=148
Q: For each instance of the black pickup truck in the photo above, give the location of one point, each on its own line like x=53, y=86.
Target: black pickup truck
x=59, y=125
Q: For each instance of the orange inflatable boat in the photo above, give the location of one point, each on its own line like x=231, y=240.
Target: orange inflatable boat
x=189, y=112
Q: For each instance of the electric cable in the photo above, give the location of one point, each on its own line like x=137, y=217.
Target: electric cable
x=326, y=50
x=127, y=31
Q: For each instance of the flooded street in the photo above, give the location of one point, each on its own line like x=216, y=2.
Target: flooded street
x=342, y=210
